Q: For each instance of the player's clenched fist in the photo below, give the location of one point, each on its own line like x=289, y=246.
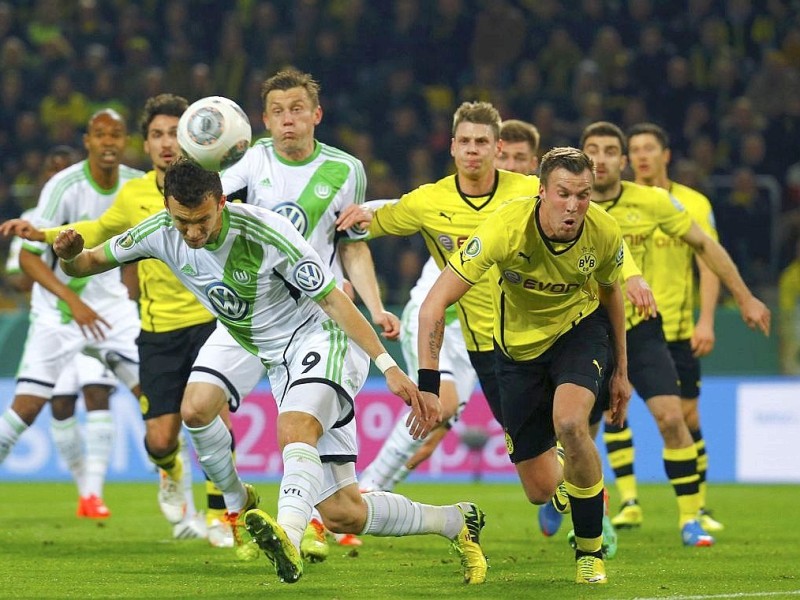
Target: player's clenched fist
x=68, y=244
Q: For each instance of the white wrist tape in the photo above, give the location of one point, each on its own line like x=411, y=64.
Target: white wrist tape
x=384, y=362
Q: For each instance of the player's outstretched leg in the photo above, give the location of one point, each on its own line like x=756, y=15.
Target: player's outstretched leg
x=468, y=544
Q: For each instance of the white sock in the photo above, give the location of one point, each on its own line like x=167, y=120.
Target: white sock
x=393, y=455
x=99, y=442
x=213, y=446
x=400, y=476
x=69, y=445
x=188, y=492
x=315, y=516
x=11, y=427
x=391, y=514
x=300, y=488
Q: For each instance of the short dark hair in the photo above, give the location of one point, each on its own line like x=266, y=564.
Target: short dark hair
x=162, y=104
x=604, y=128
x=565, y=157
x=190, y=184
x=288, y=79
x=481, y=113
x=651, y=128
x=514, y=130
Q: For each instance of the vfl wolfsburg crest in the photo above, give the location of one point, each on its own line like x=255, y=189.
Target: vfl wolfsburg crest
x=126, y=241
x=309, y=276
x=587, y=262
x=473, y=248
x=226, y=301
x=322, y=191
x=295, y=213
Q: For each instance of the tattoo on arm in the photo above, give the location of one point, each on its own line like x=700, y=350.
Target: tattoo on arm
x=437, y=338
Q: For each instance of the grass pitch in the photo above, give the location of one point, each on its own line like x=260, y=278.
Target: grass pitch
x=46, y=552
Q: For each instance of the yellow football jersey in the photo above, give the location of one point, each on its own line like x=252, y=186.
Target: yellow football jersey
x=540, y=288
x=164, y=303
x=673, y=272
x=446, y=217
x=641, y=210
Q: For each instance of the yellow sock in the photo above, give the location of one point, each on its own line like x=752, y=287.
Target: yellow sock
x=680, y=465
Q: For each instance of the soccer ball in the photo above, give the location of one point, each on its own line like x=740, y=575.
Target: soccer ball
x=214, y=132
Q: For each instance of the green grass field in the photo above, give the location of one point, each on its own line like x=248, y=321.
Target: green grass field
x=45, y=552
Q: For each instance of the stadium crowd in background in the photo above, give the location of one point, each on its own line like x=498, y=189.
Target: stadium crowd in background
x=721, y=76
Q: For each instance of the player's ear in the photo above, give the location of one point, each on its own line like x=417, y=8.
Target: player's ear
x=222, y=200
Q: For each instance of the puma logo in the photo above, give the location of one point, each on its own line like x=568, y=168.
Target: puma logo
x=446, y=216
x=525, y=256
x=599, y=368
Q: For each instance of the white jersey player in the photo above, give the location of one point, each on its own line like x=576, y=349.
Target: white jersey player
x=72, y=315
x=265, y=283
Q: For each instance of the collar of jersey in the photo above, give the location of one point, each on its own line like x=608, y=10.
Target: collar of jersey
x=300, y=163
x=223, y=231
x=95, y=185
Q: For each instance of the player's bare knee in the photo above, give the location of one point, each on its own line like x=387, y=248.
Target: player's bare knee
x=570, y=428
x=62, y=407
x=201, y=403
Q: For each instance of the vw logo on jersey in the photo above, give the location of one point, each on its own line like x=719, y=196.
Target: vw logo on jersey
x=240, y=276
x=295, y=213
x=226, y=302
x=322, y=190
x=446, y=242
x=512, y=276
x=309, y=276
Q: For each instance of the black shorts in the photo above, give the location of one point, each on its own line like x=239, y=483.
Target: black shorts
x=688, y=367
x=650, y=366
x=483, y=363
x=527, y=388
x=165, y=361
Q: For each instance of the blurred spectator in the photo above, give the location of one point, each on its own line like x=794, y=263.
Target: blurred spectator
x=649, y=65
x=558, y=60
x=63, y=103
x=498, y=38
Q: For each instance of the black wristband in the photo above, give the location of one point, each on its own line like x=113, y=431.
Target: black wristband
x=428, y=380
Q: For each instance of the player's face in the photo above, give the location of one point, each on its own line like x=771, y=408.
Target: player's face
x=606, y=152
x=105, y=141
x=565, y=200
x=162, y=141
x=517, y=157
x=291, y=118
x=474, y=149
x=197, y=225
x=648, y=158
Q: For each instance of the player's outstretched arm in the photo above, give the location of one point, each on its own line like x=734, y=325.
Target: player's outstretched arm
x=22, y=228
x=754, y=312
x=77, y=262
x=354, y=215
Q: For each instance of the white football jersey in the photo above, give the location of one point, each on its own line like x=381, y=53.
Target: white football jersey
x=72, y=195
x=311, y=193
x=260, y=277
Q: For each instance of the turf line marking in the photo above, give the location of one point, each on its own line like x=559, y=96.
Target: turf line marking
x=721, y=596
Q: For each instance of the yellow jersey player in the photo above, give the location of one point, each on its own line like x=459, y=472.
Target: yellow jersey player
x=550, y=263
x=673, y=286
x=640, y=210
x=446, y=212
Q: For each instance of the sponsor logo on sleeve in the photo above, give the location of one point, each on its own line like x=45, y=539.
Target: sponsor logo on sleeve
x=309, y=276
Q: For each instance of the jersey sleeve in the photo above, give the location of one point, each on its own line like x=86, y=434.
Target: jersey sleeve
x=113, y=221
x=487, y=246
x=141, y=241
x=629, y=266
x=298, y=262
x=609, y=270
x=400, y=218
x=236, y=178
x=671, y=216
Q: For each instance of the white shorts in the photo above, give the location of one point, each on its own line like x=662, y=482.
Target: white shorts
x=50, y=348
x=454, y=363
x=322, y=373
x=82, y=371
x=224, y=363
x=336, y=476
